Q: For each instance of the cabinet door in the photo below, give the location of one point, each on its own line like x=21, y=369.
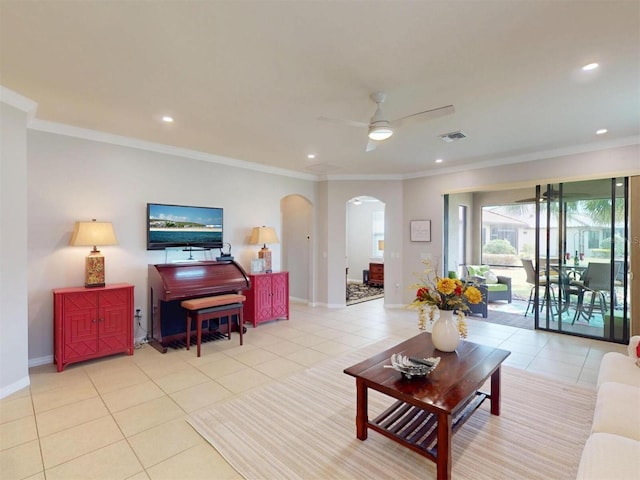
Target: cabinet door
x=262, y=294
x=280, y=295
x=115, y=320
x=80, y=325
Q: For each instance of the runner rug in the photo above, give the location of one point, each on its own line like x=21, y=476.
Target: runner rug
x=304, y=428
x=360, y=292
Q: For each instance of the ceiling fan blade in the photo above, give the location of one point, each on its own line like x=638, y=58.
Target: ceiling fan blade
x=351, y=123
x=371, y=145
x=426, y=115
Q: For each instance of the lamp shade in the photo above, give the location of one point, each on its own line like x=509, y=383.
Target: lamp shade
x=263, y=235
x=380, y=244
x=93, y=234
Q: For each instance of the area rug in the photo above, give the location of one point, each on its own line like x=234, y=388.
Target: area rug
x=360, y=292
x=304, y=428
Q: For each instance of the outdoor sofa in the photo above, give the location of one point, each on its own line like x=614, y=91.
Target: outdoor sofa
x=493, y=287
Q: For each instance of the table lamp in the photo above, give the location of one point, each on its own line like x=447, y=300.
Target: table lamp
x=87, y=234
x=263, y=235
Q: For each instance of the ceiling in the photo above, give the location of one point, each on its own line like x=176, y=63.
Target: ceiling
x=248, y=80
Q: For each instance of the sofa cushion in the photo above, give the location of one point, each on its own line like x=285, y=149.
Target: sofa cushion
x=490, y=277
x=617, y=410
x=616, y=367
x=477, y=270
x=608, y=456
x=497, y=287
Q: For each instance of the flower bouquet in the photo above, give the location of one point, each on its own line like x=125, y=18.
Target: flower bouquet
x=437, y=293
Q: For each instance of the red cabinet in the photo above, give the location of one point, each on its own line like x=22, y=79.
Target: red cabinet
x=268, y=298
x=92, y=322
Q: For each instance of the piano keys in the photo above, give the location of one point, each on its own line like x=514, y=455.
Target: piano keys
x=171, y=283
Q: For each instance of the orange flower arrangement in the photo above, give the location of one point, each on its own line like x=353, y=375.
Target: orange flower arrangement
x=442, y=294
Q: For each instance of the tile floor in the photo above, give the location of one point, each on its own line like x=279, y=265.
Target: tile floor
x=122, y=417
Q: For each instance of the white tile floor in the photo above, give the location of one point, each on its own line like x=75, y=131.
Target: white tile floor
x=122, y=417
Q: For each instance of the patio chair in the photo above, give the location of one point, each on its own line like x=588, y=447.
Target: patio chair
x=542, y=282
x=596, y=281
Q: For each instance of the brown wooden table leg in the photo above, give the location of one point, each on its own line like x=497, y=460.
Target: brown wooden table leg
x=199, y=332
x=443, y=458
x=361, y=410
x=495, y=392
x=188, y=330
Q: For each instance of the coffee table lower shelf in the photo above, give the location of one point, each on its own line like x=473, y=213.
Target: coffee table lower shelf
x=416, y=428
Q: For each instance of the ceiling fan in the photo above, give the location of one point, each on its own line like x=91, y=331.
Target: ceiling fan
x=380, y=127
x=554, y=194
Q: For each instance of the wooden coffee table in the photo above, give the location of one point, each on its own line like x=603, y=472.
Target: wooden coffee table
x=428, y=410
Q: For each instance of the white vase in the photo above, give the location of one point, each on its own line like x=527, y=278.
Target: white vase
x=445, y=335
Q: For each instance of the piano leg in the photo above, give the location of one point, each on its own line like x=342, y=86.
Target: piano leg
x=157, y=345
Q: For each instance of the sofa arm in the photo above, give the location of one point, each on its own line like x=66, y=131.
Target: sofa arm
x=505, y=280
x=609, y=456
x=632, y=348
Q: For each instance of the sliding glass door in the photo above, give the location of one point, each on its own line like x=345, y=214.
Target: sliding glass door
x=582, y=258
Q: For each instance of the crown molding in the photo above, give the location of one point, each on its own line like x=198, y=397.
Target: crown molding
x=529, y=157
x=29, y=106
x=120, y=140
x=18, y=101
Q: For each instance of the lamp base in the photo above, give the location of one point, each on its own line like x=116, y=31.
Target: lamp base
x=265, y=254
x=94, y=270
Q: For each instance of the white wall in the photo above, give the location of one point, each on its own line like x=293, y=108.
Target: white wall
x=73, y=179
x=14, y=374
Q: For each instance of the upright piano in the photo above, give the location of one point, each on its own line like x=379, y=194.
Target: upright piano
x=171, y=283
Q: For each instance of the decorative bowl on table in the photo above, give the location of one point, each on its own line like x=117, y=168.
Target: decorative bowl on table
x=411, y=367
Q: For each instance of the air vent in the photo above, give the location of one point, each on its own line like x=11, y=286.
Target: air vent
x=453, y=136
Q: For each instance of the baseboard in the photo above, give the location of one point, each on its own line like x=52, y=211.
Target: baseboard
x=14, y=387
x=36, y=362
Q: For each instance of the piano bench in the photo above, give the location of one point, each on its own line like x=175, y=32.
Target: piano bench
x=210, y=308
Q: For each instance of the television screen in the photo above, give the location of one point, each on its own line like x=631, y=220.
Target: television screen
x=183, y=226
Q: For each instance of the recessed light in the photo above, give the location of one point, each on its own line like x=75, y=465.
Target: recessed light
x=311, y=156
x=590, y=66
x=619, y=184
x=167, y=119
x=439, y=160
x=601, y=131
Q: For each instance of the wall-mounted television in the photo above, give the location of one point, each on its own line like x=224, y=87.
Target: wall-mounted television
x=183, y=226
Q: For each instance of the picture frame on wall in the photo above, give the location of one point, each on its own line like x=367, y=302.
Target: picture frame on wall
x=420, y=230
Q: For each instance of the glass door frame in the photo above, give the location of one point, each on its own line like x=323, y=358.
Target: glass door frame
x=557, y=300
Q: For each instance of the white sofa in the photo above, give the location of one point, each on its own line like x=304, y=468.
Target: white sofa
x=612, y=451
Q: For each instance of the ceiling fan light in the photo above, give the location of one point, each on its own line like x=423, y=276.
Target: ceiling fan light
x=381, y=132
